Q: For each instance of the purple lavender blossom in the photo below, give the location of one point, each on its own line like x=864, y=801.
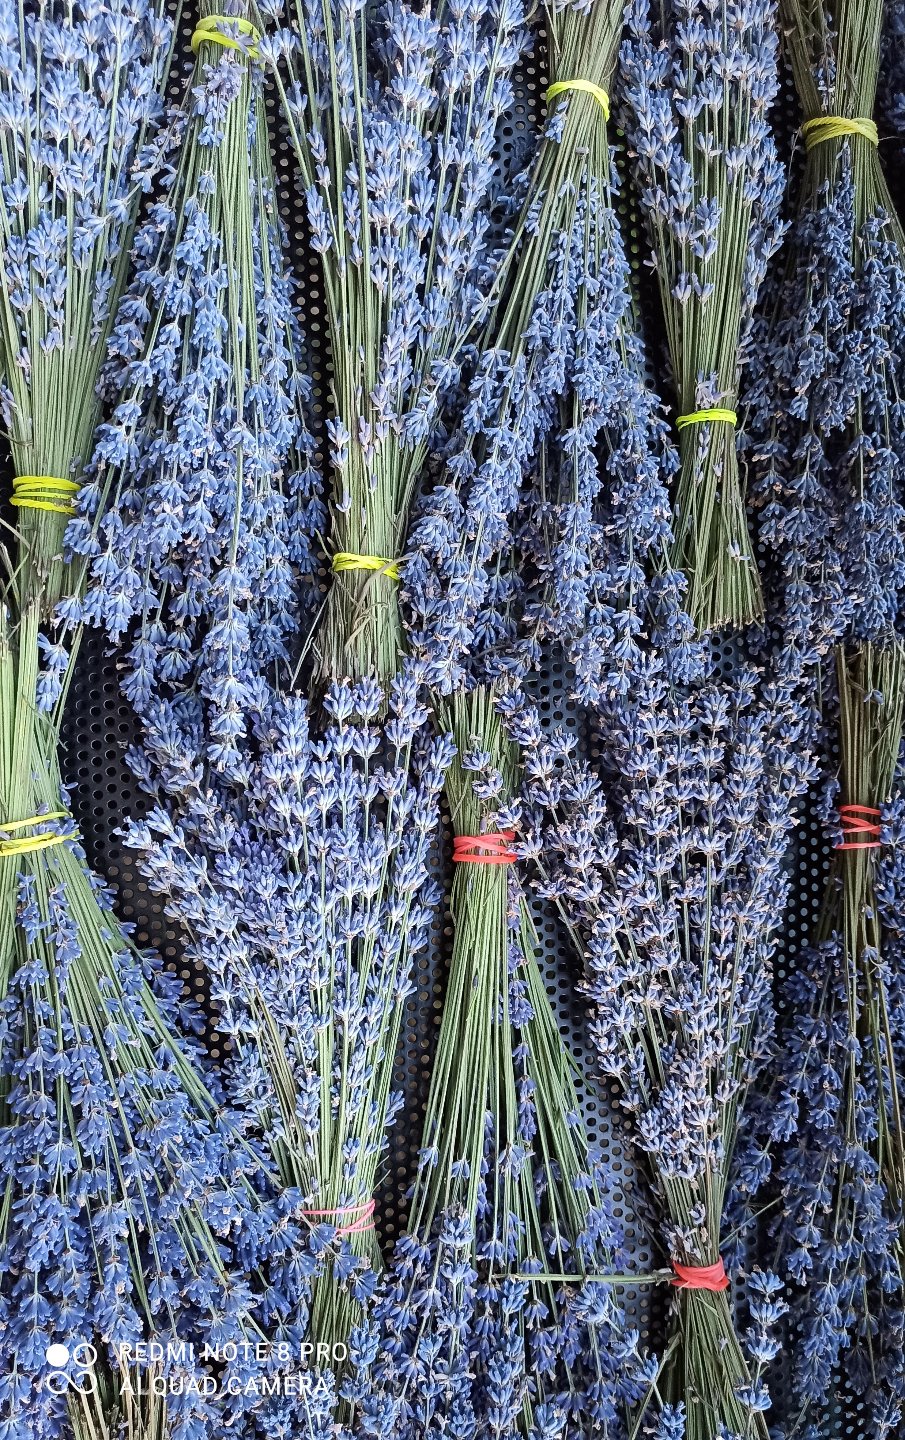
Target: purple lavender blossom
x=698, y=80
x=307, y=896
x=197, y=523
x=394, y=127
x=666, y=858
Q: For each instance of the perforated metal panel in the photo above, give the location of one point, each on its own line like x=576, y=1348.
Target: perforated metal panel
x=99, y=727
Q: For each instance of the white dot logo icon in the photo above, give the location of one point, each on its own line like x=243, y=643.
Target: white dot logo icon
x=57, y=1355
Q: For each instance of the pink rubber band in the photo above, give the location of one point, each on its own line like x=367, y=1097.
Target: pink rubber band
x=364, y=1217
x=493, y=849
x=700, y=1277
x=854, y=821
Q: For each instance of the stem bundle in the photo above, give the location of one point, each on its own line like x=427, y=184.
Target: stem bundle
x=700, y=79
x=507, y=1180
x=674, y=889
x=393, y=125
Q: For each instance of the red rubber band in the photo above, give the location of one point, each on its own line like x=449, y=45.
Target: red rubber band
x=364, y=1214
x=485, y=849
x=854, y=821
x=700, y=1277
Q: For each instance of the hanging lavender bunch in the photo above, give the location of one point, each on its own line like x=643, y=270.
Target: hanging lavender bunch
x=394, y=125
x=832, y=1130
x=666, y=859
x=826, y=429
x=196, y=525
x=116, y=1163
x=511, y=1206
x=307, y=897
x=559, y=350
x=827, y=447
x=698, y=82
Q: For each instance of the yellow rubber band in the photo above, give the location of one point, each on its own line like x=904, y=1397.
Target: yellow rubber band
x=702, y=417
x=834, y=127
x=28, y=843
x=24, y=844
x=209, y=29
x=586, y=87
x=33, y=820
x=342, y=560
x=44, y=492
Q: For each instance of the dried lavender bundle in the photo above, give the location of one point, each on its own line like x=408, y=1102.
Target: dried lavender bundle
x=832, y=1130
x=196, y=523
x=307, y=899
x=667, y=860
x=827, y=434
x=558, y=353
x=120, y=1202
x=836, y=419
x=835, y=53
x=827, y=446
x=698, y=82
x=828, y=426
x=394, y=124
x=511, y=1204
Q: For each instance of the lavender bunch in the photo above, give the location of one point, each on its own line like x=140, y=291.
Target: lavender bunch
x=558, y=357
x=196, y=524
x=698, y=82
x=80, y=115
x=394, y=124
x=307, y=896
x=666, y=859
x=831, y=1131
x=510, y=1213
x=826, y=429
x=117, y=1172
